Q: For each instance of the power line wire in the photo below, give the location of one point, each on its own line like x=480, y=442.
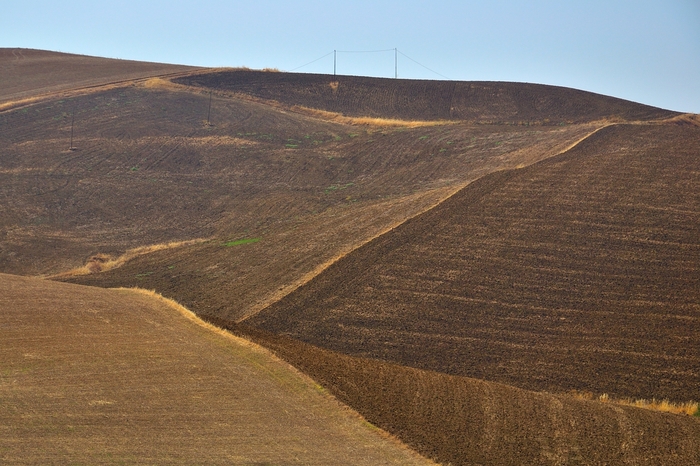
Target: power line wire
x=314, y=61
x=371, y=51
x=433, y=71
x=365, y=51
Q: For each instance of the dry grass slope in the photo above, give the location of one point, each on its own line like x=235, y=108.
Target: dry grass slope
x=96, y=376
x=689, y=408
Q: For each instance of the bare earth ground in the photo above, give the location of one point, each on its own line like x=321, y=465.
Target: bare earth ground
x=465, y=421
x=571, y=273
x=579, y=272
x=113, y=376
x=28, y=74
x=473, y=101
x=148, y=171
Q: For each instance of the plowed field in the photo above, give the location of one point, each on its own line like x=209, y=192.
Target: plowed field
x=29, y=74
x=579, y=272
x=541, y=237
x=486, y=102
x=464, y=421
x=149, y=171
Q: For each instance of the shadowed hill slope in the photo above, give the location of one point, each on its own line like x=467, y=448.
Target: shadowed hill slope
x=464, y=421
x=492, y=102
x=27, y=73
x=579, y=272
x=94, y=376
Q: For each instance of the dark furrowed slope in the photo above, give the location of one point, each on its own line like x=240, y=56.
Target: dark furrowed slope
x=493, y=102
x=25, y=73
x=147, y=170
x=146, y=157
x=463, y=421
x=580, y=272
x=371, y=181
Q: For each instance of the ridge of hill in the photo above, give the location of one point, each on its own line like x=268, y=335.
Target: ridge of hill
x=28, y=73
x=578, y=272
x=96, y=376
x=473, y=101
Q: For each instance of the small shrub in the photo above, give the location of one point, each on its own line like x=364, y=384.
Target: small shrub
x=237, y=242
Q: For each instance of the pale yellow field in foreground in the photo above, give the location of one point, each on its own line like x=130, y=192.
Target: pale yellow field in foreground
x=92, y=376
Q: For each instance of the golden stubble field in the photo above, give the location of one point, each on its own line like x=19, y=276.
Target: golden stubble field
x=93, y=376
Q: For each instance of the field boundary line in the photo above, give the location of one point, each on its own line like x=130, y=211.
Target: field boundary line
x=103, y=262
x=86, y=90
x=268, y=353
x=307, y=277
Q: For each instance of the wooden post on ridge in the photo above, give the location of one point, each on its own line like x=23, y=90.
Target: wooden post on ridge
x=209, y=110
x=72, y=121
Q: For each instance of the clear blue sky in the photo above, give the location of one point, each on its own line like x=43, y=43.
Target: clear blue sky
x=642, y=50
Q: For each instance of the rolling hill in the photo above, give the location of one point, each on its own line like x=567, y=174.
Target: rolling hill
x=29, y=75
x=414, y=246
x=484, y=102
x=579, y=272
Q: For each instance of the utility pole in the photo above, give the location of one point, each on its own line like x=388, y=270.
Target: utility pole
x=72, y=121
x=335, y=52
x=209, y=111
x=396, y=63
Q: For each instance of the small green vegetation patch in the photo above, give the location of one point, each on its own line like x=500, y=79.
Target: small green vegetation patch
x=337, y=187
x=237, y=242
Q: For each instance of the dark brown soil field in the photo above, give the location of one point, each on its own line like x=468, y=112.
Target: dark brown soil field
x=569, y=262
x=464, y=421
x=579, y=272
x=486, y=102
x=149, y=171
x=93, y=376
x=28, y=74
